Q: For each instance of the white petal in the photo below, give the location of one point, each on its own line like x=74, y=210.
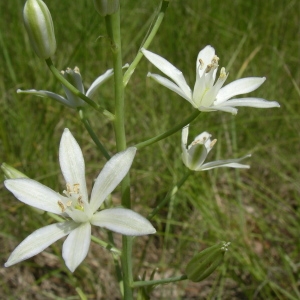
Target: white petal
x=251, y=102
x=76, y=246
x=100, y=80
x=219, y=108
x=184, y=136
x=205, y=55
x=35, y=194
x=239, y=87
x=72, y=162
x=124, y=221
x=172, y=86
x=46, y=94
x=231, y=163
x=184, y=140
x=111, y=175
x=168, y=69
x=40, y=240
x=211, y=94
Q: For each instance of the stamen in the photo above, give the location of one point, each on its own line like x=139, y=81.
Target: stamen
x=68, y=188
x=215, y=60
x=76, y=188
x=201, y=62
x=212, y=143
x=80, y=202
x=61, y=205
x=213, y=65
x=208, y=68
x=222, y=74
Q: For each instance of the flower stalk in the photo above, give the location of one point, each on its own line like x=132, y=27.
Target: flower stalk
x=113, y=30
x=163, y=7
x=169, y=132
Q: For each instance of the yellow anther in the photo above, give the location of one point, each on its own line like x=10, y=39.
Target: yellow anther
x=212, y=143
x=61, y=205
x=201, y=62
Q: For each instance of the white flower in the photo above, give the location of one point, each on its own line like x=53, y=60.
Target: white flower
x=195, y=154
x=74, y=77
x=75, y=205
x=208, y=94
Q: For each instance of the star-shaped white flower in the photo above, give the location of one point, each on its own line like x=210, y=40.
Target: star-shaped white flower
x=208, y=93
x=195, y=154
x=74, y=77
x=80, y=212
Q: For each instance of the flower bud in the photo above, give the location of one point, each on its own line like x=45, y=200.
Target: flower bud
x=11, y=173
x=106, y=7
x=205, y=262
x=39, y=26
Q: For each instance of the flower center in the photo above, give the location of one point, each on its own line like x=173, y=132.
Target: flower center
x=75, y=198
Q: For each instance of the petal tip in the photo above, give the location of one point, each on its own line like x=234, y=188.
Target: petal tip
x=66, y=130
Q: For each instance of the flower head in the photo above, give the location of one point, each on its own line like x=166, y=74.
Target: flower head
x=208, y=93
x=79, y=211
x=40, y=29
x=195, y=154
x=74, y=77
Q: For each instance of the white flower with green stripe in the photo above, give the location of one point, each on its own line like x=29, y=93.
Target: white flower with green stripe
x=79, y=211
x=208, y=93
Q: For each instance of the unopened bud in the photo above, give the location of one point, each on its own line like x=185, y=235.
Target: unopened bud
x=39, y=26
x=205, y=262
x=106, y=7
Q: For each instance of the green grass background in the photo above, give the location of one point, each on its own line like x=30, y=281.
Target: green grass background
x=257, y=209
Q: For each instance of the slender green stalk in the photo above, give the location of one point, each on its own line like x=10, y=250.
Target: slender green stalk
x=113, y=30
x=91, y=132
x=163, y=7
x=81, y=294
x=159, y=281
x=170, y=194
x=76, y=92
x=169, y=132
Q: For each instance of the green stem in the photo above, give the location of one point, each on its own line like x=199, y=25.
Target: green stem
x=159, y=281
x=113, y=30
x=76, y=92
x=169, y=132
x=170, y=194
x=105, y=245
x=94, y=137
x=146, y=44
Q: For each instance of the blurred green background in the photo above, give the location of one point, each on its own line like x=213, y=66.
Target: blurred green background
x=257, y=209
